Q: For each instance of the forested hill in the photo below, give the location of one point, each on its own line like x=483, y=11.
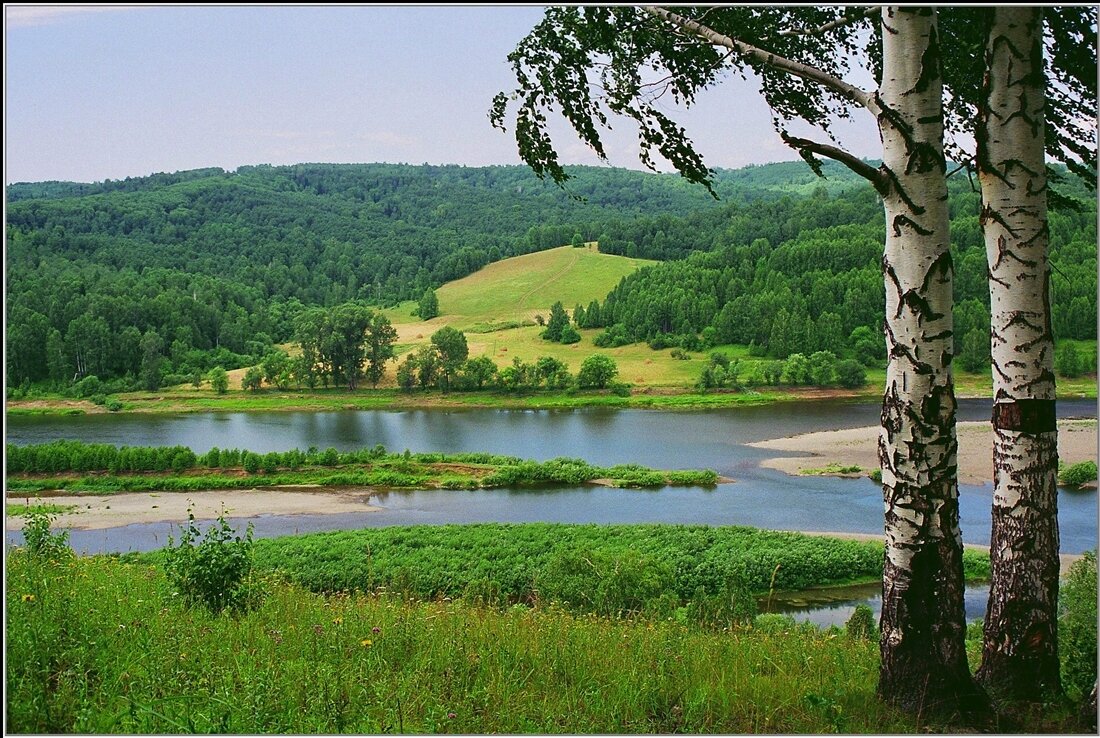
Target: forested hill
x=215, y=261
x=208, y=267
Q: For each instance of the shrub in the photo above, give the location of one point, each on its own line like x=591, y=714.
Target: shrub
x=861, y=624
x=1078, y=474
x=113, y=404
x=850, y=374
x=1077, y=626
x=215, y=572
x=41, y=541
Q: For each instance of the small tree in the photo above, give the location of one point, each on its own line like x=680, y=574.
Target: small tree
x=569, y=335
x=450, y=343
x=219, y=380
x=552, y=371
x=974, y=350
x=822, y=368
x=406, y=373
x=41, y=542
x=428, y=307
x=850, y=374
x=1067, y=359
x=796, y=369
x=478, y=372
x=428, y=365
x=597, y=371
x=559, y=319
x=252, y=379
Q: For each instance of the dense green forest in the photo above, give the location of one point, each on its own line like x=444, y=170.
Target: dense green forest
x=800, y=275
x=159, y=279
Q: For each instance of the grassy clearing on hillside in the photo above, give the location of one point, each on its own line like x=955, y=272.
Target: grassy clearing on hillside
x=520, y=287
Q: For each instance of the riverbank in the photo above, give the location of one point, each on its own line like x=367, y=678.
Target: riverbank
x=99, y=512
x=186, y=399
x=858, y=447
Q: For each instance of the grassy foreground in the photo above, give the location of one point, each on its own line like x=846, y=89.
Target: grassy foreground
x=101, y=646
x=98, y=646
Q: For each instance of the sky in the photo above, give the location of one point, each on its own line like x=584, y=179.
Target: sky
x=98, y=92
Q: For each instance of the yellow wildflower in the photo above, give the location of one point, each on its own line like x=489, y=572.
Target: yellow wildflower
x=366, y=643
x=29, y=598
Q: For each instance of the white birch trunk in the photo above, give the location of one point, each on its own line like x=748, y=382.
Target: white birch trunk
x=1020, y=654
x=924, y=665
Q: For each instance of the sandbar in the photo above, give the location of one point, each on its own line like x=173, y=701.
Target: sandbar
x=859, y=447
x=95, y=512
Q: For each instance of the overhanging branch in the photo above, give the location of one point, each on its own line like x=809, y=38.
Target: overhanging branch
x=858, y=15
x=857, y=165
x=798, y=69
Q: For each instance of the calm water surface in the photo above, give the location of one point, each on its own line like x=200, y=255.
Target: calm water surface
x=713, y=439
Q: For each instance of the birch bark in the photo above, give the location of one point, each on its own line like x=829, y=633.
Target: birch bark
x=924, y=665
x=1020, y=649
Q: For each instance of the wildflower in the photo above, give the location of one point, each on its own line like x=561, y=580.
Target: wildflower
x=366, y=643
x=29, y=598
x=451, y=716
x=376, y=629
x=337, y=621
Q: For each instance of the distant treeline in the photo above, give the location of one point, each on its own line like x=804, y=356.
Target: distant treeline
x=159, y=279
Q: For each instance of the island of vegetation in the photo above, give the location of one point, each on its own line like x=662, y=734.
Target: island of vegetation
x=78, y=467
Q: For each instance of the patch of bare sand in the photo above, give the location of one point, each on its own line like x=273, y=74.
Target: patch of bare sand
x=859, y=447
x=109, y=511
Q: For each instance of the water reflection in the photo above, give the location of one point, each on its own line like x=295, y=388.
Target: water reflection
x=712, y=439
x=834, y=605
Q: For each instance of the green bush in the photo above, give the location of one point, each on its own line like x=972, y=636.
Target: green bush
x=113, y=404
x=861, y=624
x=1077, y=626
x=216, y=571
x=40, y=540
x=1078, y=474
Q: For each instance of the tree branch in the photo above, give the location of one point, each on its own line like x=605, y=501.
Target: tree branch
x=798, y=69
x=857, y=165
x=859, y=15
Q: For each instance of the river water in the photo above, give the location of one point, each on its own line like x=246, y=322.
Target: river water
x=710, y=439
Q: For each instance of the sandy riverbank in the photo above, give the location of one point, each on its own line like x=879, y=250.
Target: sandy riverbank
x=94, y=512
x=859, y=447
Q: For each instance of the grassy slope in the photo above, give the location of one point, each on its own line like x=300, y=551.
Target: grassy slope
x=516, y=290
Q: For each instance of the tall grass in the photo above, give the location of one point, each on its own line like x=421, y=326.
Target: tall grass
x=104, y=647
x=543, y=561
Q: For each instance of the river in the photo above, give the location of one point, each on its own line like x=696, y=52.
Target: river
x=711, y=439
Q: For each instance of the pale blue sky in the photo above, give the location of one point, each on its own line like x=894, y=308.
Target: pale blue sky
x=99, y=93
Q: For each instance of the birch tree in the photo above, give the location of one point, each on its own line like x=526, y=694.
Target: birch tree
x=1011, y=135
x=800, y=55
